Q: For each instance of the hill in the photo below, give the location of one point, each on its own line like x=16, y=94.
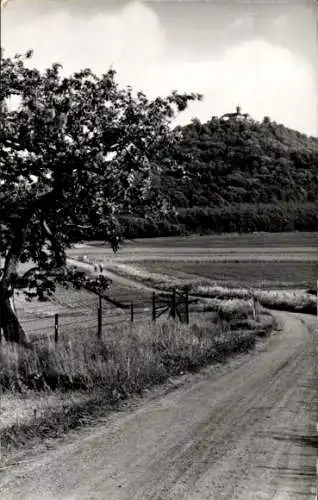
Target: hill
x=242, y=161
x=237, y=174
x=232, y=174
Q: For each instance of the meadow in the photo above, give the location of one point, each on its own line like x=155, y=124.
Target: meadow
x=262, y=274
x=229, y=240
x=235, y=262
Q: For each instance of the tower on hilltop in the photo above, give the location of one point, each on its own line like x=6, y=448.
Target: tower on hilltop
x=235, y=116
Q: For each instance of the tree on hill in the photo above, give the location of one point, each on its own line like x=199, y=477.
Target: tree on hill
x=77, y=152
x=244, y=161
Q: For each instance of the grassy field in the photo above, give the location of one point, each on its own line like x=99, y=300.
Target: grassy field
x=220, y=260
x=248, y=247
x=275, y=294
x=199, y=261
x=232, y=240
x=264, y=275
x=78, y=311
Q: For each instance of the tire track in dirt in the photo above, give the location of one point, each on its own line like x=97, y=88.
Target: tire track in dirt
x=215, y=440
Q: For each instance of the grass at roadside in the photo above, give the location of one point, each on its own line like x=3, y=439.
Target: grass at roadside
x=286, y=300
x=53, y=389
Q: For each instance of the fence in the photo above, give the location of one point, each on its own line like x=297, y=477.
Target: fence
x=174, y=305
x=96, y=319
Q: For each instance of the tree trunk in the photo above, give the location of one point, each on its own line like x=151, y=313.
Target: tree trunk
x=9, y=323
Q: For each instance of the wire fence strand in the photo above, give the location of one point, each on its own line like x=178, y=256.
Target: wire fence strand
x=102, y=313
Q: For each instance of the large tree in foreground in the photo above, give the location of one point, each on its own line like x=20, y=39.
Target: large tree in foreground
x=77, y=151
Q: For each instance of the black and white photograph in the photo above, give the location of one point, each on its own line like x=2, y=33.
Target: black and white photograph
x=159, y=250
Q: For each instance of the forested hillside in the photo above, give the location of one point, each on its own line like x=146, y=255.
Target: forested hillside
x=238, y=175
x=242, y=161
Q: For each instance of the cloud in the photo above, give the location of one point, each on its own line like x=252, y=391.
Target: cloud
x=244, y=23
x=263, y=78
x=266, y=79
x=131, y=34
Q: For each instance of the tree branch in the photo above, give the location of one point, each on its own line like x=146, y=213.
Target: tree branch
x=80, y=226
x=47, y=230
x=29, y=272
x=13, y=256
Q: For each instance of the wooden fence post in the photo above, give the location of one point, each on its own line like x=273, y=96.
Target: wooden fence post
x=174, y=301
x=100, y=317
x=56, y=328
x=254, y=307
x=153, y=306
x=186, y=292
x=132, y=312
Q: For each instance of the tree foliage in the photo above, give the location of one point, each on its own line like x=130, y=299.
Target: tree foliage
x=77, y=152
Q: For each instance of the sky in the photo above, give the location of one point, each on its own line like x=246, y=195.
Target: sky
x=261, y=55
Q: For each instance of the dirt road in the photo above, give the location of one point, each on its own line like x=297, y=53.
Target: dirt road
x=245, y=431
x=249, y=254
x=128, y=282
